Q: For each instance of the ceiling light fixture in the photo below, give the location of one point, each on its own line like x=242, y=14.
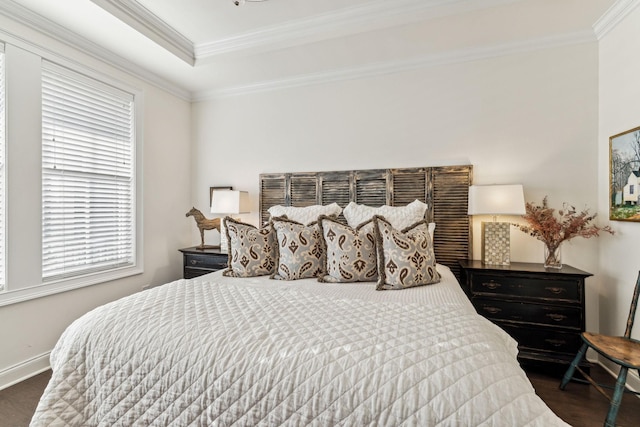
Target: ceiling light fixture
x=239, y=2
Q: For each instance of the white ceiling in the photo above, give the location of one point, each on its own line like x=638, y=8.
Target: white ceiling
x=281, y=43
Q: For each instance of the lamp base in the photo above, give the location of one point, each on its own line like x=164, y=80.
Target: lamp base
x=224, y=243
x=496, y=249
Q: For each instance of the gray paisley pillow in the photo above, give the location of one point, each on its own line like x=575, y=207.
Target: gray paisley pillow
x=300, y=250
x=405, y=258
x=252, y=251
x=350, y=253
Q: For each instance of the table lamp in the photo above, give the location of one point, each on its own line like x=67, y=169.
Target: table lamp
x=228, y=202
x=496, y=200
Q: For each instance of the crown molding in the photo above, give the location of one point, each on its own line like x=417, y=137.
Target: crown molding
x=24, y=16
x=613, y=16
x=145, y=22
x=351, y=20
x=377, y=69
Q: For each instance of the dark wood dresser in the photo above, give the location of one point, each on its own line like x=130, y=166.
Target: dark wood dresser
x=196, y=262
x=542, y=309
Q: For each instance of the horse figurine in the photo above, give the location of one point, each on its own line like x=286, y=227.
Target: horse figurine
x=204, y=223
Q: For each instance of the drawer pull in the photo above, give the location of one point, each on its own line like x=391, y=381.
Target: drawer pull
x=492, y=310
x=194, y=262
x=557, y=317
x=556, y=343
x=555, y=290
x=491, y=285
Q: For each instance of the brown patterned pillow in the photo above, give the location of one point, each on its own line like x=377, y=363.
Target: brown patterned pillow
x=252, y=251
x=350, y=253
x=299, y=248
x=405, y=258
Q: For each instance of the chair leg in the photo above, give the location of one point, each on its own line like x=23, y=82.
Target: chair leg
x=617, y=396
x=572, y=368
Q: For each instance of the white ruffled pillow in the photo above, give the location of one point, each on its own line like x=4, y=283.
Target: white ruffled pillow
x=400, y=217
x=305, y=215
x=432, y=229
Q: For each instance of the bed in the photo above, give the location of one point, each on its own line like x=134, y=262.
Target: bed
x=219, y=350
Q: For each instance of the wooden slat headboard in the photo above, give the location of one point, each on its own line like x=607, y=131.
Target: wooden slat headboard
x=445, y=189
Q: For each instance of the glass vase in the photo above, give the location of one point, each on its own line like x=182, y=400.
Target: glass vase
x=552, y=256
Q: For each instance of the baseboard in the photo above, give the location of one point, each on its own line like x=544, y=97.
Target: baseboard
x=24, y=370
x=633, y=380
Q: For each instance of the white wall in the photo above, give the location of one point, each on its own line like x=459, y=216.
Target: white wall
x=28, y=330
x=619, y=88
x=527, y=118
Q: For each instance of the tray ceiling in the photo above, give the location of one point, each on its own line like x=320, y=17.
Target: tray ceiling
x=204, y=48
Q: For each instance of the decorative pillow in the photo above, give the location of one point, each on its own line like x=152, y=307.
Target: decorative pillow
x=252, y=251
x=305, y=215
x=400, y=217
x=350, y=253
x=300, y=250
x=405, y=258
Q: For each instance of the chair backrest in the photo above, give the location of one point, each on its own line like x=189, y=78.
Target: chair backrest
x=632, y=311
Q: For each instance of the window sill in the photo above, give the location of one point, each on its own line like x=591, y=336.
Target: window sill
x=38, y=291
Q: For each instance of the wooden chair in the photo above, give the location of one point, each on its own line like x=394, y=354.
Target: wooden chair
x=623, y=351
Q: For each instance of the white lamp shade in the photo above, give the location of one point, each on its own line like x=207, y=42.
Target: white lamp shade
x=496, y=200
x=228, y=202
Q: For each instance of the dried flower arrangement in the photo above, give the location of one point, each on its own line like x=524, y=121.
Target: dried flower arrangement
x=544, y=225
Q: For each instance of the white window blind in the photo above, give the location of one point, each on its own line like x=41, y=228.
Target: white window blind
x=2, y=174
x=88, y=175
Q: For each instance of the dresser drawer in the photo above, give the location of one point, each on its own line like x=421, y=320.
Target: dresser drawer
x=527, y=312
x=212, y=262
x=541, y=308
x=529, y=287
x=544, y=339
x=197, y=261
x=190, y=273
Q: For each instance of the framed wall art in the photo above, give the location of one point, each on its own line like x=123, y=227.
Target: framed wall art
x=624, y=176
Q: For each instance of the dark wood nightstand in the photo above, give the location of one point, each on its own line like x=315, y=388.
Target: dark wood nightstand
x=196, y=262
x=542, y=309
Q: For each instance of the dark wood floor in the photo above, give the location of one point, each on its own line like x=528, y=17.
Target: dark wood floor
x=18, y=402
x=580, y=405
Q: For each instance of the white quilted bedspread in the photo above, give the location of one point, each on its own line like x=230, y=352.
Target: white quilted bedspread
x=200, y=353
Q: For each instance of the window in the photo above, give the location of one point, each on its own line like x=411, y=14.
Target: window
x=2, y=172
x=88, y=175
x=631, y=189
